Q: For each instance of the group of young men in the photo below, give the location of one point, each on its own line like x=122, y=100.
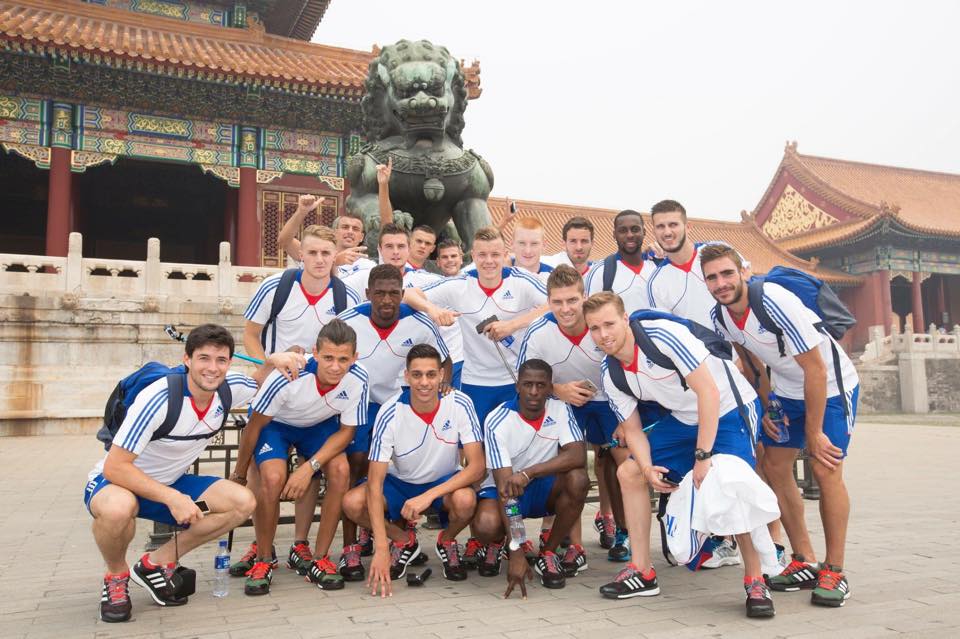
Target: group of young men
x=453, y=390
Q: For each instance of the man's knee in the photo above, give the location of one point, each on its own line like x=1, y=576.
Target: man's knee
x=337, y=472
x=486, y=523
x=826, y=476
x=355, y=502
x=628, y=474
x=273, y=477
x=463, y=502
x=577, y=484
x=777, y=463
x=114, y=505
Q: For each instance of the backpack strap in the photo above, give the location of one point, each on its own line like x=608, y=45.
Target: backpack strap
x=339, y=295
x=755, y=300
x=653, y=353
x=617, y=376
x=609, y=271
x=661, y=515
x=176, y=383
x=280, y=296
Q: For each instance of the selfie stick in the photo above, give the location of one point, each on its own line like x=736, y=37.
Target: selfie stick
x=174, y=334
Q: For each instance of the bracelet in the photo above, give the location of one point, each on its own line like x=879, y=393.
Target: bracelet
x=524, y=473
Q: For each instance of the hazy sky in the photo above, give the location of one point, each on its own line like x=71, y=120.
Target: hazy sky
x=621, y=104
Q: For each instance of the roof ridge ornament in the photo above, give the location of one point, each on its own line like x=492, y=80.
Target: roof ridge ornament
x=790, y=147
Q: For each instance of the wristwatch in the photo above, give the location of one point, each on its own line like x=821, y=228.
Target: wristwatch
x=315, y=465
x=701, y=454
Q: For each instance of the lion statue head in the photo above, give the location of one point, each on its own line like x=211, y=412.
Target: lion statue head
x=414, y=87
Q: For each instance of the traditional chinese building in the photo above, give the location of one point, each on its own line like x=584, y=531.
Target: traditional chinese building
x=190, y=121
x=897, y=229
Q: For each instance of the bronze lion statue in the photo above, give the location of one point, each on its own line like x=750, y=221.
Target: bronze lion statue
x=413, y=115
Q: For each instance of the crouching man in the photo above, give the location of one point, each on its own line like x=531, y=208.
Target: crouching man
x=535, y=449
x=414, y=460
x=144, y=474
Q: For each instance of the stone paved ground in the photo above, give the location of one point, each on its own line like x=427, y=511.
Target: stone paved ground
x=904, y=574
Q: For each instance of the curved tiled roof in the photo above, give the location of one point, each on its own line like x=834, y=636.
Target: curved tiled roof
x=209, y=51
x=744, y=236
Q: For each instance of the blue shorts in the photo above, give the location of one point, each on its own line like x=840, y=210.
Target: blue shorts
x=363, y=432
x=672, y=443
x=836, y=425
x=597, y=422
x=650, y=413
x=457, y=378
x=396, y=492
x=191, y=485
x=533, y=501
x=276, y=438
x=486, y=398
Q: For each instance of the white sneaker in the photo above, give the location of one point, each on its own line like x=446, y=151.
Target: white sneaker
x=725, y=554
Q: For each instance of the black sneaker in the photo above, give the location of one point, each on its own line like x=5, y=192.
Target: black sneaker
x=798, y=575
x=759, y=602
x=300, y=558
x=548, y=567
x=157, y=583
x=473, y=554
x=323, y=573
x=259, y=578
x=400, y=557
x=449, y=554
x=492, y=557
x=115, y=603
x=574, y=560
x=243, y=565
x=607, y=529
x=350, y=567
x=365, y=539
x=628, y=583
x=620, y=551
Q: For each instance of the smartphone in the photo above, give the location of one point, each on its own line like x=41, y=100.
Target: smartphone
x=513, y=207
x=589, y=385
x=671, y=478
x=202, y=505
x=485, y=323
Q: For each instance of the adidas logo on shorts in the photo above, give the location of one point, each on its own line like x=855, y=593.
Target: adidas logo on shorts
x=407, y=342
x=266, y=448
x=343, y=395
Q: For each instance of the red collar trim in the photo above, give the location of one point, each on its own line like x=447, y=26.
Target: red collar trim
x=636, y=269
x=575, y=339
x=740, y=323
x=537, y=423
x=384, y=333
x=489, y=291
x=689, y=265
x=586, y=268
x=201, y=413
x=427, y=417
x=323, y=390
x=632, y=367
x=313, y=299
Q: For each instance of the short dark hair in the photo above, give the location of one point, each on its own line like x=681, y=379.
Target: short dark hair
x=423, y=228
x=448, y=243
x=563, y=276
x=394, y=229
x=577, y=223
x=668, y=206
x=382, y=272
x=209, y=334
x=423, y=351
x=338, y=333
x=711, y=252
x=625, y=213
x=535, y=365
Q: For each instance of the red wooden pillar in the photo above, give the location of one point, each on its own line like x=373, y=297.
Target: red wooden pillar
x=58, y=202
x=248, y=226
x=917, y=303
x=886, y=306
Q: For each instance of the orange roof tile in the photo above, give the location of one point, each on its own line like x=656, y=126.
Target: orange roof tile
x=208, y=50
x=923, y=201
x=744, y=236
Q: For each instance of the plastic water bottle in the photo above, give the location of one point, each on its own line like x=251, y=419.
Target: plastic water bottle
x=775, y=413
x=221, y=568
x=518, y=532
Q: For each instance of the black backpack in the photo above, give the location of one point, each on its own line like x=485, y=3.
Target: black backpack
x=130, y=386
x=281, y=295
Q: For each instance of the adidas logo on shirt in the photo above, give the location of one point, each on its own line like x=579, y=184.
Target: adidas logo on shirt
x=331, y=311
x=508, y=295
x=407, y=342
x=649, y=362
x=446, y=425
x=761, y=330
x=218, y=412
x=549, y=420
x=266, y=448
x=343, y=395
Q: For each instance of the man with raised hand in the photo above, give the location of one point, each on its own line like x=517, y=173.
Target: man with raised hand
x=386, y=331
x=414, y=464
x=311, y=297
x=348, y=226
x=317, y=414
x=144, y=474
x=535, y=451
x=577, y=243
x=504, y=300
x=819, y=412
x=626, y=271
x=712, y=408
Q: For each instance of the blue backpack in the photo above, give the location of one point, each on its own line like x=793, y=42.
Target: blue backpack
x=130, y=386
x=835, y=318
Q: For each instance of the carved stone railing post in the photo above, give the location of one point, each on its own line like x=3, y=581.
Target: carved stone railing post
x=225, y=279
x=74, y=275
x=153, y=275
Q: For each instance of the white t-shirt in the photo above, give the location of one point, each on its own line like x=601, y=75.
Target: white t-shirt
x=383, y=352
x=572, y=358
x=300, y=321
x=650, y=382
x=679, y=289
x=421, y=278
x=629, y=284
x=512, y=441
x=166, y=460
x=799, y=336
x=518, y=293
x=423, y=448
x=303, y=403
x=360, y=264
